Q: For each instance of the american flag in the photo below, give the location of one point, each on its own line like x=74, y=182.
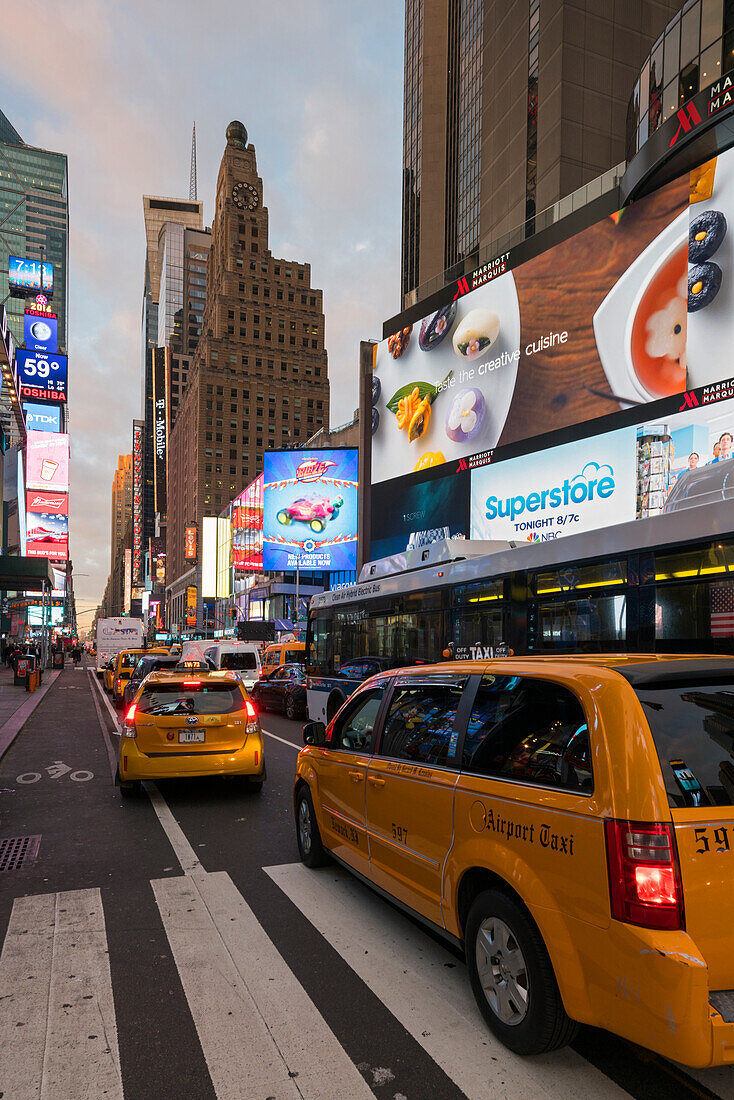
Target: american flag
x=722, y=610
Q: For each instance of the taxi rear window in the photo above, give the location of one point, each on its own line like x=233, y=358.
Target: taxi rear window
x=692, y=725
x=128, y=660
x=204, y=698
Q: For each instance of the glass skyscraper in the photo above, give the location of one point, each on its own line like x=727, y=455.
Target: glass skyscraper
x=35, y=220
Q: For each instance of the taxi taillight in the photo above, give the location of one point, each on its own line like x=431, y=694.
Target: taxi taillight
x=251, y=712
x=130, y=716
x=644, y=874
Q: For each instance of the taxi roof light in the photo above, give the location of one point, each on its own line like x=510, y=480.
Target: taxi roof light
x=644, y=874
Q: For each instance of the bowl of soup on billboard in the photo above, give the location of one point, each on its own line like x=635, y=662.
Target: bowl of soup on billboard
x=657, y=326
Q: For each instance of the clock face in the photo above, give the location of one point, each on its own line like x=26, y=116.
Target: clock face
x=245, y=195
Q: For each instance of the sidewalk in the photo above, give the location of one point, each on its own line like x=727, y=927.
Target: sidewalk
x=17, y=704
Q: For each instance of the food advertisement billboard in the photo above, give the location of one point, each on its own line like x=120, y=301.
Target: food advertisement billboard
x=47, y=459
x=40, y=331
x=26, y=275
x=247, y=528
x=47, y=536
x=41, y=376
x=633, y=309
x=42, y=418
x=657, y=467
x=310, y=510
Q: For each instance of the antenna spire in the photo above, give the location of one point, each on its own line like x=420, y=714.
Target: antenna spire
x=193, y=183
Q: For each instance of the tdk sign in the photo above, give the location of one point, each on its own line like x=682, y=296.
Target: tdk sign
x=42, y=418
x=581, y=489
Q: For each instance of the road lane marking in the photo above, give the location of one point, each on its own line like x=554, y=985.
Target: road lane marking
x=423, y=986
x=184, y=853
x=94, y=687
x=282, y=740
x=260, y=1032
x=58, y=1032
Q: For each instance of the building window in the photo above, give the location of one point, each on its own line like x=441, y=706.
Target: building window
x=531, y=172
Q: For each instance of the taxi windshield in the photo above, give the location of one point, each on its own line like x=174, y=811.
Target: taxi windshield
x=183, y=698
x=692, y=725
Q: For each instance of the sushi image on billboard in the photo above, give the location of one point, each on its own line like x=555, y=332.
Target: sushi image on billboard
x=310, y=510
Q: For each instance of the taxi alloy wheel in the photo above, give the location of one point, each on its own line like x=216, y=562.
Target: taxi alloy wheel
x=310, y=848
x=502, y=971
x=512, y=976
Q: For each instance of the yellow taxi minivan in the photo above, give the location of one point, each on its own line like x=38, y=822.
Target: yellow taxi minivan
x=190, y=723
x=125, y=662
x=569, y=822
x=282, y=653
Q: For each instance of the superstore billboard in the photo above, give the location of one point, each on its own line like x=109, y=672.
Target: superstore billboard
x=47, y=459
x=630, y=311
x=247, y=528
x=310, y=510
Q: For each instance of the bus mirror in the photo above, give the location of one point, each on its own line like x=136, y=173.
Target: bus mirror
x=314, y=733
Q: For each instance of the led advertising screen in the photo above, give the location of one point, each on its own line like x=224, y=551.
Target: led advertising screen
x=26, y=275
x=41, y=376
x=160, y=430
x=408, y=514
x=137, y=509
x=247, y=528
x=41, y=500
x=310, y=510
x=54, y=615
x=40, y=331
x=47, y=458
x=653, y=468
x=626, y=312
x=47, y=536
x=42, y=418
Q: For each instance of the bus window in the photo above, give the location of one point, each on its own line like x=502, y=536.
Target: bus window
x=588, y=625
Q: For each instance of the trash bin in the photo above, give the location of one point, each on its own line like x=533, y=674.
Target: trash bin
x=58, y=659
x=23, y=666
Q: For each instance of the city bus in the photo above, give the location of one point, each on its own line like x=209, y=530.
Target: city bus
x=636, y=587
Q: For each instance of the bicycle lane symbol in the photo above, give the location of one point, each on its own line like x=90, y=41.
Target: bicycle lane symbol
x=56, y=771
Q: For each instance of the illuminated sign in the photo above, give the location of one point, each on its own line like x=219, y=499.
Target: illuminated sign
x=38, y=500
x=190, y=543
x=47, y=536
x=310, y=510
x=158, y=560
x=191, y=602
x=160, y=429
x=41, y=376
x=216, y=557
x=54, y=615
x=40, y=331
x=26, y=275
x=137, y=510
x=127, y=588
x=247, y=528
x=47, y=458
x=42, y=418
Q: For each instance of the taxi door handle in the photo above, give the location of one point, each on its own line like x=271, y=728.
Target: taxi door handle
x=376, y=781
x=356, y=777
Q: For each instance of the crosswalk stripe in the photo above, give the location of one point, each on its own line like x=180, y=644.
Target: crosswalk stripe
x=57, y=1020
x=260, y=1032
x=420, y=983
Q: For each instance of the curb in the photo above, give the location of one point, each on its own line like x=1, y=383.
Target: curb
x=14, y=724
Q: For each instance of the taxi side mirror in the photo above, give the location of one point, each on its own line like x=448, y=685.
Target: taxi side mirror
x=314, y=733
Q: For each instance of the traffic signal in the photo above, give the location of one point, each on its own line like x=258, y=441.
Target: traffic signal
x=233, y=612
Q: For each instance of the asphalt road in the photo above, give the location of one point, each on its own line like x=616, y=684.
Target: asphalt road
x=173, y=945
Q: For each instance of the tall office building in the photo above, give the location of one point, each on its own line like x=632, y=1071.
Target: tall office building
x=35, y=220
x=165, y=220
x=122, y=503
x=189, y=319
x=508, y=108
x=259, y=375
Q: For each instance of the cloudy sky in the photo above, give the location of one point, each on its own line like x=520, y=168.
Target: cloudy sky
x=318, y=86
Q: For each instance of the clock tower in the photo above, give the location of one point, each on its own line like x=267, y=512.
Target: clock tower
x=259, y=376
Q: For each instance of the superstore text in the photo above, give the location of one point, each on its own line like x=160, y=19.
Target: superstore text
x=578, y=490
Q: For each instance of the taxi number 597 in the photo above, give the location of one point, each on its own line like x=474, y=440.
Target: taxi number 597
x=400, y=833
x=717, y=842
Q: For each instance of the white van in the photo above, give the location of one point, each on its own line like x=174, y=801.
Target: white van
x=240, y=657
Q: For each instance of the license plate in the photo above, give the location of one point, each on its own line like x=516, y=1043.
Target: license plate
x=187, y=736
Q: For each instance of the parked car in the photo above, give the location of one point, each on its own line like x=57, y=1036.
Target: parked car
x=284, y=689
x=568, y=822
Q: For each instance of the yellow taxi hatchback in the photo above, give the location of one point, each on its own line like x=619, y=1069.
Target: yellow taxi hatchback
x=125, y=662
x=568, y=821
x=186, y=724
x=282, y=653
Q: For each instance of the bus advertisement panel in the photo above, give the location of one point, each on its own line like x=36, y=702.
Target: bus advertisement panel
x=310, y=510
x=624, y=313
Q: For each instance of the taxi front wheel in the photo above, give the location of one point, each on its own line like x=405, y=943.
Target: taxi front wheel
x=512, y=976
x=310, y=848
